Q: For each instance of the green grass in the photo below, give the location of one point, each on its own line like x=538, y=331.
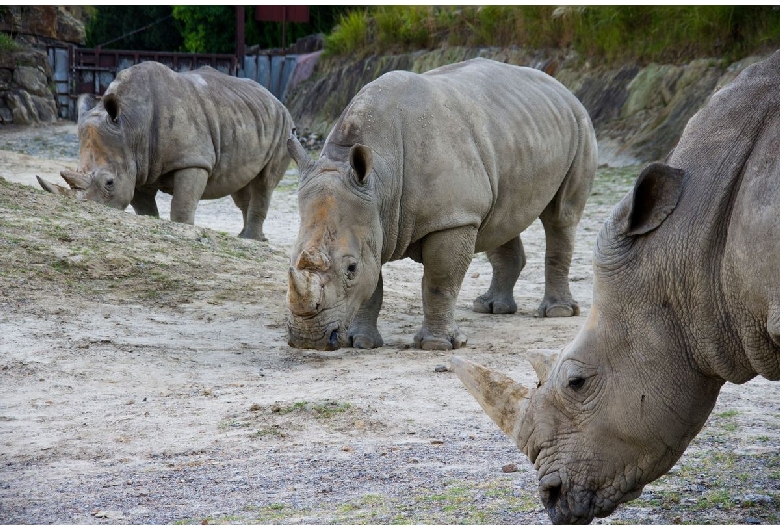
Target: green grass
x=322, y=409
x=7, y=43
x=611, y=33
x=456, y=502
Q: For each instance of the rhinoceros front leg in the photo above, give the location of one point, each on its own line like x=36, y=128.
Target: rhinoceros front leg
x=446, y=256
x=559, y=244
x=188, y=186
x=363, y=332
x=143, y=203
x=507, y=261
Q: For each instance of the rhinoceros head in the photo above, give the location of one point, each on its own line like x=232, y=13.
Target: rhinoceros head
x=618, y=406
x=106, y=172
x=335, y=262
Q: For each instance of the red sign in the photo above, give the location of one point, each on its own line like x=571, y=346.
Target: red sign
x=282, y=13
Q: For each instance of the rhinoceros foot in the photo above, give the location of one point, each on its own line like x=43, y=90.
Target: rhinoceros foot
x=497, y=305
x=425, y=340
x=558, y=309
x=364, y=337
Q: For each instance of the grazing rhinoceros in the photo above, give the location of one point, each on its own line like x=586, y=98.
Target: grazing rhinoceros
x=435, y=167
x=195, y=135
x=686, y=296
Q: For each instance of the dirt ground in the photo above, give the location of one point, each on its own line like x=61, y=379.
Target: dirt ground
x=145, y=377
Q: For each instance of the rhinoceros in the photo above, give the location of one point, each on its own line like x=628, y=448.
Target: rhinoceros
x=686, y=296
x=435, y=167
x=195, y=135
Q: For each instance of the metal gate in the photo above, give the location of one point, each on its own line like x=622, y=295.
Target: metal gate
x=90, y=71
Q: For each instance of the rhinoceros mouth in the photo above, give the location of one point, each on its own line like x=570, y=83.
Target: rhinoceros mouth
x=329, y=338
x=568, y=503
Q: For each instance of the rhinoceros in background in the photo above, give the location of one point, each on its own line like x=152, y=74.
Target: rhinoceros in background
x=686, y=296
x=435, y=167
x=195, y=135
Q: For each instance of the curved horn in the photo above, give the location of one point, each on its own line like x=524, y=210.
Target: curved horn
x=76, y=180
x=299, y=154
x=304, y=296
x=504, y=400
x=542, y=361
x=54, y=188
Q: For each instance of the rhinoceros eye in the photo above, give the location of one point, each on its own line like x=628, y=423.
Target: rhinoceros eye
x=351, y=270
x=109, y=183
x=576, y=383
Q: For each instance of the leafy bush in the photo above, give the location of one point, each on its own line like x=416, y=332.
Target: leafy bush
x=350, y=36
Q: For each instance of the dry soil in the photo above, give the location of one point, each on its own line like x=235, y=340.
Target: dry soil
x=145, y=377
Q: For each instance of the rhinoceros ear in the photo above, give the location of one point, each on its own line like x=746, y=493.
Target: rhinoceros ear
x=298, y=153
x=361, y=160
x=84, y=104
x=655, y=196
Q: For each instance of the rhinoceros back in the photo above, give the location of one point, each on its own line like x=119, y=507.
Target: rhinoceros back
x=479, y=142
x=229, y=126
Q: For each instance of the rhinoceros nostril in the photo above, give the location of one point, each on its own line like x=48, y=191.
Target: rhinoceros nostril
x=550, y=491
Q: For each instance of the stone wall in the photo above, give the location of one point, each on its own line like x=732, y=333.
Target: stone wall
x=26, y=95
x=639, y=112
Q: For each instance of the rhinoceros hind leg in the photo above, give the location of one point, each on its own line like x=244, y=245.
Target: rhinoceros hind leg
x=507, y=261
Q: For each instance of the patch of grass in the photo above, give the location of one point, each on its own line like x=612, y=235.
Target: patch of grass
x=663, y=33
x=7, y=43
x=322, y=409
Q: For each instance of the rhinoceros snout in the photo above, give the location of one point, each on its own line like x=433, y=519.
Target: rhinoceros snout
x=329, y=341
x=565, y=507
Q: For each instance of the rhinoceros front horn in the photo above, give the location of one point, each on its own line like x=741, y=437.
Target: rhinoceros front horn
x=54, y=188
x=76, y=180
x=504, y=400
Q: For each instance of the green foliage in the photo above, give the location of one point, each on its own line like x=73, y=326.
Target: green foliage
x=110, y=22
x=647, y=33
x=7, y=43
x=350, y=36
x=207, y=29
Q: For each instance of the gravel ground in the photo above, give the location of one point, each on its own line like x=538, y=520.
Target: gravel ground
x=146, y=379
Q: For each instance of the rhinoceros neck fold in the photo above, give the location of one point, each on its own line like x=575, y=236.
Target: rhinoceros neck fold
x=715, y=151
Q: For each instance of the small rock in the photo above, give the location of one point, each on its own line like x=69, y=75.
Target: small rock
x=475, y=275
x=509, y=468
x=276, y=407
x=752, y=520
x=441, y=368
x=347, y=449
x=254, y=407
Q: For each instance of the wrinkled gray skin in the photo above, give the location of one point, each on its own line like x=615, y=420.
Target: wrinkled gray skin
x=686, y=297
x=436, y=167
x=195, y=135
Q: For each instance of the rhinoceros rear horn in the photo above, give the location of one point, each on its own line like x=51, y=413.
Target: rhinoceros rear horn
x=503, y=399
x=542, y=361
x=54, y=188
x=298, y=153
x=76, y=180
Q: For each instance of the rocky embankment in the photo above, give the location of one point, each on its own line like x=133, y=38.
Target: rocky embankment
x=639, y=111
x=26, y=83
